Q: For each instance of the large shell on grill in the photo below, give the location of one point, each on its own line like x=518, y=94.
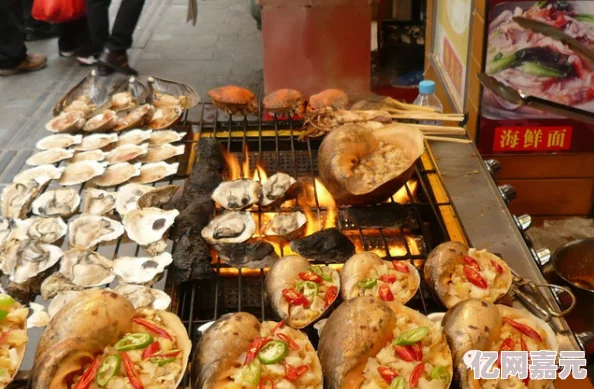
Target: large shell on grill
x=117, y=174
x=58, y=141
x=165, y=117
x=80, y=172
x=234, y=100
x=42, y=229
x=164, y=93
x=86, y=268
x=126, y=153
x=16, y=198
x=286, y=226
x=139, y=117
x=96, y=141
x=153, y=172
x=285, y=101
x=277, y=189
x=23, y=260
x=162, y=153
x=49, y=156
x=91, y=155
x=134, y=137
x=230, y=227
x=83, y=104
x=105, y=121
x=42, y=174
x=148, y=225
x=144, y=296
x=98, y=202
x=61, y=202
x=128, y=94
x=330, y=98
x=166, y=136
x=140, y=270
x=122, y=101
x=87, y=231
x=237, y=194
x=67, y=122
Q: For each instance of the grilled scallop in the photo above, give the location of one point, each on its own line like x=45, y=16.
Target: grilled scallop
x=96, y=141
x=105, y=121
x=91, y=155
x=134, y=137
x=67, y=122
x=49, y=157
x=234, y=100
x=162, y=153
x=165, y=117
x=117, y=174
x=153, y=172
x=126, y=153
x=58, y=141
x=42, y=174
x=122, y=101
x=139, y=117
x=80, y=172
x=63, y=202
x=166, y=136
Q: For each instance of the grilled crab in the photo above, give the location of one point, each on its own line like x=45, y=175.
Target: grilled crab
x=234, y=100
x=285, y=101
x=330, y=98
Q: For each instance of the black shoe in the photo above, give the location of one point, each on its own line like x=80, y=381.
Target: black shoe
x=111, y=61
x=44, y=31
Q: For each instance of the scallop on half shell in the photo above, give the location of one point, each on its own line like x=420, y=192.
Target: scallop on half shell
x=126, y=153
x=117, y=174
x=144, y=296
x=58, y=141
x=16, y=198
x=141, y=270
x=96, y=141
x=165, y=136
x=138, y=117
x=122, y=101
x=67, y=122
x=87, y=231
x=86, y=268
x=148, y=225
x=61, y=202
x=230, y=227
x=162, y=153
x=153, y=172
x=238, y=194
x=42, y=174
x=49, y=156
x=165, y=117
x=105, y=121
x=98, y=202
x=134, y=137
x=91, y=155
x=80, y=172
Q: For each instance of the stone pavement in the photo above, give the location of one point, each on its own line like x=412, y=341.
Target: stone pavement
x=224, y=47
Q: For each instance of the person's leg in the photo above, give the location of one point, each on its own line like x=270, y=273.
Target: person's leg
x=86, y=52
x=98, y=21
x=67, y=38
x=35, y=29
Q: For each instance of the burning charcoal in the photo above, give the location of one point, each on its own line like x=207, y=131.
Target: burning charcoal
x=191, y=259
x=328, y=246
x=391, y=215
x=194, y=217
x=206, y=173
x=256, y=255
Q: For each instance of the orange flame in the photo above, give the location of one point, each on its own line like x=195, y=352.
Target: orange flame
x=260, y=173
x=402, y=197
x=233, y=168
x=312, y=221
x=326, y=200
x=245, y=167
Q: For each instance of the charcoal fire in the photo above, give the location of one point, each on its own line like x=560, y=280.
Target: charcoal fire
x=390, y=215
x=191, y=259
x=251, y=255
x=328, y=246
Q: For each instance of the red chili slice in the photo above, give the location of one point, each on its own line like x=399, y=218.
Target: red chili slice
x=280, y=325
x=263, y=382
x=472, y=262
x=405, y=353
x=388, y=278
x=294, y=373
x=523, y=328
x=417, y=349
x=294, y=346
x=169, y=354
x=4, y=336
x=524, y=346
x=310, y=276
x=295, y=298
x=416, y=375
x=89, y=376
x=331, y=294
x=131, y=372
x=507, y=345
x=497, y=266
x=152, y=327
x=388, y=374
x=401, y=266
x=475, y=277
x=254, y=349
x=385, y=293
x=151, y=350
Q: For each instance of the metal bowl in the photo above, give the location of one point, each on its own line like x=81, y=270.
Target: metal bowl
x=574, y=263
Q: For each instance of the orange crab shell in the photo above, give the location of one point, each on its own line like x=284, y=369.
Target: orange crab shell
x=284, y=101
x=234, y=100
x=329, y=98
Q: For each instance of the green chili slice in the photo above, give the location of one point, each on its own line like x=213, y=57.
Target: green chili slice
x=307, y=288
x=440, y=372
x=273, y=352
x=134, y=342
x=6, y=302
x=398, y=383
x=162, y=361
x=108, y=369
x=367, y=283
x=3, y=314
x=411, y=337
x=251, y=373
x=319, y=271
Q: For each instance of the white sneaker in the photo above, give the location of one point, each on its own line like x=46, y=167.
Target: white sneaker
x=66, y=53
x=87, y=61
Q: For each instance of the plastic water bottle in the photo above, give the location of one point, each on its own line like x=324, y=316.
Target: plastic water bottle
x=427, y=98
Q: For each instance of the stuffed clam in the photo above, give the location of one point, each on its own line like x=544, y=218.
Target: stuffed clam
x=13, y=326
x=455, y=273
x=238, y=351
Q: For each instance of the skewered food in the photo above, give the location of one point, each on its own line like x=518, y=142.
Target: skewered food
x=330, y=98
x=285, y=101
x=104, y=121
x=87, y=231
x=61, y=202
x=47, y=157
x=455, y=273
x=360, y=166
x=17, y=198
x=42, y=174
x=153, y=172
x=234, y=100
x=230, y=227
x=277, y=189
x=299, y=292
x=166, y=136
x=67, y=122
x=366, y=274
x=234, y=353
x=238, y=194
x=58, y=141
x=139, y=117
x=96, y=141
x=134, y=137
x=117, y=174
x=14, y=340
x=98, y=202
x=286, y=226
x=369, y=343
x=80, y=172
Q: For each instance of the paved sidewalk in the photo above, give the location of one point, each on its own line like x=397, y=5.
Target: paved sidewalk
x=224, y=47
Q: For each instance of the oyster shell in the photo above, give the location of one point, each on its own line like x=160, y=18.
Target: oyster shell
x=62, y=202
x=230, y=227
x=143, y=296
x=42, y=174
x=127, y=197
x=142, y=270
x=152, y=172
x=278, y=188
x=157, y=197
x=117, y=174
x=60, y=299
x=105, y=121
x=80, y=172
x=122, y=101
x=148, y=225
x=57, y=284
x=49, y=156
x=286, y=226
x=26, y=259
x=165, y=117
x=96, y=141
x=139, y=117
x=91, y=155
x=87, y=231
x=126, y=153
x=166, y=136
x=58, y=141
x=237, y=194
x=16, y=198
x=42, y=229
x=86, y=268
x=98, y=202
x=162, y=153
x=67, y=122
x=134, y=137
x=7, y=226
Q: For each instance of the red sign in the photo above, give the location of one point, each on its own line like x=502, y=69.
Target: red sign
x=452, y=65
x=538, y=138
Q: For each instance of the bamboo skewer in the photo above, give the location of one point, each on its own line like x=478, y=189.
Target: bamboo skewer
x=437, y=129
x=446, y=139
x=428, y=116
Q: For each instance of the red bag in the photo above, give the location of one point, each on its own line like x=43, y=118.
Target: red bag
x=59, y=11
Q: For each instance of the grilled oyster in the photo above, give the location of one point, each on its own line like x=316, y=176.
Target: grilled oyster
x=23, y=260
x=143, y=296
x=230, y=227
x=237, y=194
x=126, y=153
x=285, y=101
x=162, y=153
x=91, y=155
x=105, y=121
x=153, y=172
x=47, y=157
x=98, y=202
x=58, y=141
x=157, y=197
x=166, y=136
x=286, y=226
x=122, y=101
x=234, y=100
x=330, y=98
x=143, y=270
x=96, y=141
x=42, y=174
x=16, y=198
x=117, y=174
x=139, y=117
x=67, y=122
x=165, y=117
x=87, y=231
x=42, y=229
x=148, y=225
x=62, y=202
x=80, y=172
x=127, y=197
x=56, y=284
x=277, y=189
x=134, y=137
x=7, y=226
x=86, y=268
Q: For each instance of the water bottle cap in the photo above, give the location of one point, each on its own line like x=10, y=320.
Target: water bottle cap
x=427, y=87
